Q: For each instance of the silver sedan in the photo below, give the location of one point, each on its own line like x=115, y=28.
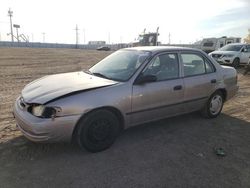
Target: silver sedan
x=130, y=87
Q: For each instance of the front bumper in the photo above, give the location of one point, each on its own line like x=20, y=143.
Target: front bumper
x=42, y=129
x=224, y=60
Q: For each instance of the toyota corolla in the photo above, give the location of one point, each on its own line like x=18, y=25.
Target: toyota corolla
x=129, y=87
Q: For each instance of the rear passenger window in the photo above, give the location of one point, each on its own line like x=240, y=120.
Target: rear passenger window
x=193, y=64
x=209, y=67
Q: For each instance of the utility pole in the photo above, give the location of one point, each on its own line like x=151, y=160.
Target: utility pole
x=109, y=37
x=84, y=36
x=156, y=37
x=76, y=35
x=10, y=14
x=17, y=27
x=169, y=38
x=43, y=37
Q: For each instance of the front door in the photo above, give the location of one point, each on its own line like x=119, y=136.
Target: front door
x=162, y=98
x=245, y=54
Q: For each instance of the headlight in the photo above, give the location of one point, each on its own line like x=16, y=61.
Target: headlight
x=38, y=110
x=44, y=111
x=228, y=55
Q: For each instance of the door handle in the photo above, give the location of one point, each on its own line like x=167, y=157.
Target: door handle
x=179, y=87
x=213, y=81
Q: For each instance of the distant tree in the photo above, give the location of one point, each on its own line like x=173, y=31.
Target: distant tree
x=247, y=39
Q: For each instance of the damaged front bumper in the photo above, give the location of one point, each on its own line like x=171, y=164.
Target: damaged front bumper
x=44, y=129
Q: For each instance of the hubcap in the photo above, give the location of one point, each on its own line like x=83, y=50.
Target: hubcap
x=99, y=130
x=216, y=104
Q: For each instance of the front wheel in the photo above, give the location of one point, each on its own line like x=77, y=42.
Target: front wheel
x=236, y=63
x=98, y=130
x=213, y=106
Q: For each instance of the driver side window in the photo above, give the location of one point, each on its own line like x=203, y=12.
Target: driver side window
x=164, y=67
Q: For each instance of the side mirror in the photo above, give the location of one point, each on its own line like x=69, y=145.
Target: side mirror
x=244, y=50
x=141, y=79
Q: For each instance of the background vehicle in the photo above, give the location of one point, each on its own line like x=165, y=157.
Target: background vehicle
x=232, y=54
x=104, y=48
x=211, y=44
x=147, y=39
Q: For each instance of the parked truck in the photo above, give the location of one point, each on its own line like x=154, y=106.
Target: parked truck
x=147, y=39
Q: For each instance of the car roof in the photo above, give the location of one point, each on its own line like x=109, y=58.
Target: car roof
x=236, y=44
x=156, y=49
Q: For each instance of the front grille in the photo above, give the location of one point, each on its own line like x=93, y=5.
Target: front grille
x=216, y=55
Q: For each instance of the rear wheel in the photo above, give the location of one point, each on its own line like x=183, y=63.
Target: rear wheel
x=98, y=130
x=213, y=106
x=236, y=63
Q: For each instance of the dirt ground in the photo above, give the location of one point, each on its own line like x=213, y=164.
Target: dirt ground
x=176, y=152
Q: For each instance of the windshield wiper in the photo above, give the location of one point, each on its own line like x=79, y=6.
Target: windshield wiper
x=87, y=71
x=100, y=75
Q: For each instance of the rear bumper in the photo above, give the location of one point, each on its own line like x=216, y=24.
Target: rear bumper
x=44, y=130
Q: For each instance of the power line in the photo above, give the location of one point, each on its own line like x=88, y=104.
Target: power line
x=4, y=22
x=17, y=27
x=169, y=38
x=76, y=35
x=84, y=35
x=109, y=37
x=43, y=37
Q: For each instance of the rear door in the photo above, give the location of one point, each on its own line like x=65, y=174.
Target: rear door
x=162, y=98
x=200, y=79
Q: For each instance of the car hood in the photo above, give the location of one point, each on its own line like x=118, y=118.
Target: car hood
x=224, y=52
x=50, y=87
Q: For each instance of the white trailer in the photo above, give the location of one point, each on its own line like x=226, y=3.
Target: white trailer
x=211, y=44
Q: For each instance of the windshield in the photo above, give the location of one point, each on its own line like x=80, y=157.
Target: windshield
x=120, y=65
x=235, y=48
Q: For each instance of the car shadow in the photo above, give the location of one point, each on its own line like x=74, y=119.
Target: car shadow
x=156, y=153
x=170, y=128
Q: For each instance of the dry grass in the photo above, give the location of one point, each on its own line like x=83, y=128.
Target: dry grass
x=19, y=66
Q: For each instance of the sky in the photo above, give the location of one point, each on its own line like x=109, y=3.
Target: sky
x=187, y=21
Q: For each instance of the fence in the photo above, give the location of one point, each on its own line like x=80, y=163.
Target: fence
x=57, y=45
x=79, y=46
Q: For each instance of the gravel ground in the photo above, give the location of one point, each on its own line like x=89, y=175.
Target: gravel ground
x=176, y=152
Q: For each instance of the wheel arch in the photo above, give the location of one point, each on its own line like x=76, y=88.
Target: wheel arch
x=237, y=58
x=224, y=93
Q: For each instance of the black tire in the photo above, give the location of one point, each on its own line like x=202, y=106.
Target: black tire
x=217, y=100
x=236, y=63
x=98, y=130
